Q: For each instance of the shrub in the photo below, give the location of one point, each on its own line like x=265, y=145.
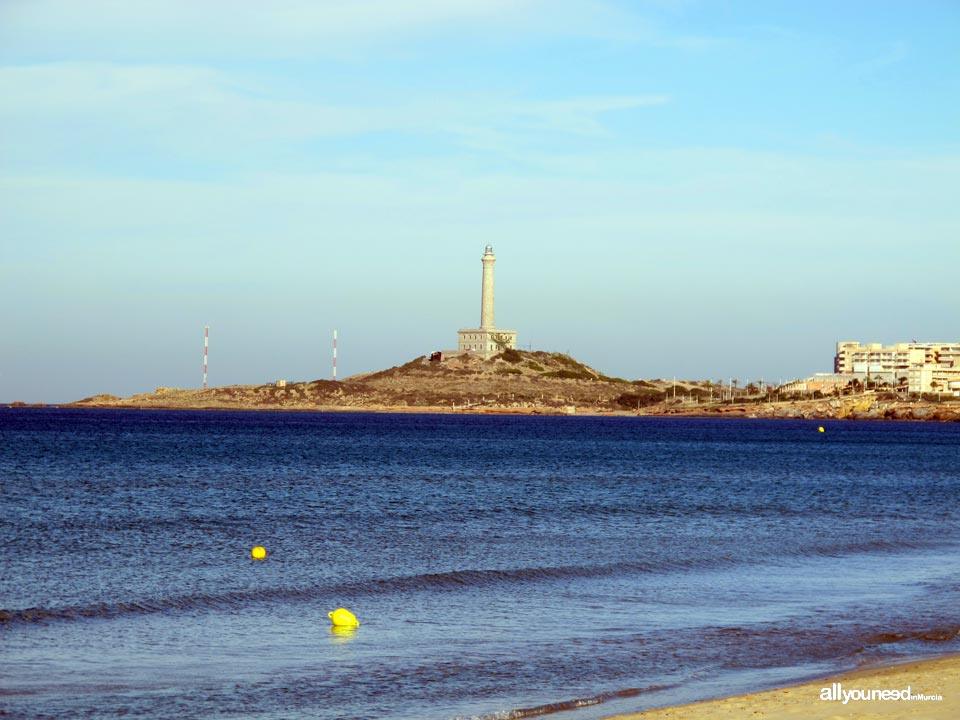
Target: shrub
x=511, y=355
x=569, y=375
x=634, y=400
x=607, y=378
x=568, y=361
x=535, y=366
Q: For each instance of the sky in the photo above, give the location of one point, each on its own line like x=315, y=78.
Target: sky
x=687, y=189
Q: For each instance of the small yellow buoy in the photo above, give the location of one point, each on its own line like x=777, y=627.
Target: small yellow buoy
x=342, y=633
x=820, y=429
x=258, y=553
x=341, y=617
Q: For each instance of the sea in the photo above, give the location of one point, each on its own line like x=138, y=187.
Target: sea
x=501, y=567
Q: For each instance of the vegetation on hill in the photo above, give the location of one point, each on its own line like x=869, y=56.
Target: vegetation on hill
x=511, y=380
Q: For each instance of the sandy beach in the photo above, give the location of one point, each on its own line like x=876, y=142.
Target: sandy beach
x=937, y=678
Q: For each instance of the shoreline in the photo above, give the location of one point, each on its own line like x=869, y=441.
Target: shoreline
x=907, y=412
x=928, y=678
x=531, y=383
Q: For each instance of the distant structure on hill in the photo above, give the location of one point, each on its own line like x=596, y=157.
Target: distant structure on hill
x=925, y=366
x=486, y=340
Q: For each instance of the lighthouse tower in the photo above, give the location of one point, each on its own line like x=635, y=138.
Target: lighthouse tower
x=486, y=340
x=486, y=292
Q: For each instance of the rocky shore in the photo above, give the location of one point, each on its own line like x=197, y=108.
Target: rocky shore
x=858, y=407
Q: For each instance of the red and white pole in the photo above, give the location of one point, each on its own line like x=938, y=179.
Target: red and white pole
x=206, y=345
x=334, y=355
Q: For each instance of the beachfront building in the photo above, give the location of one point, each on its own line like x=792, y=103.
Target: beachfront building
x=852, y=357
x=926, y=367
x=486, y=340
x=934, y=379
x=830, y=383
x=825, y=383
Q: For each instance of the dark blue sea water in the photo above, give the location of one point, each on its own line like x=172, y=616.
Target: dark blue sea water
x=502, y=567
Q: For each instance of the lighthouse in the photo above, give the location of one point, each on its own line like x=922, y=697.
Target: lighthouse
x=486, y=292
x=486, y=340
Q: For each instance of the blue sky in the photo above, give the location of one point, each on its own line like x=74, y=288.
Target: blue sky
x=690, y=189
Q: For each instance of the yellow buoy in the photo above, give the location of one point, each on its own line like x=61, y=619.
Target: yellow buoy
x=258, y=553
x=341, y=617
x=820, y=429
x=341, y=633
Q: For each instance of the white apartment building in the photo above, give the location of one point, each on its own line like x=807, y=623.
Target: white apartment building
x=927, y=367
x=934, y=379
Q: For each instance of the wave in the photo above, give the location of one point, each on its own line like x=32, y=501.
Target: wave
x=939, y=634
x=827, y=642
x=450, y=581
x=869, y=546
x=565, y=705
x=183, y=603
x=447, y=581
x=456, y=579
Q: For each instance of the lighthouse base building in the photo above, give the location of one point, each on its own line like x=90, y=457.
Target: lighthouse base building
x=486, y=342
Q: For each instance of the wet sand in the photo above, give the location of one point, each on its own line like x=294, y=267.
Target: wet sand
x=938, y=677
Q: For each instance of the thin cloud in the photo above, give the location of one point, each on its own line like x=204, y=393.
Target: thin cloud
x=203, y=112
x=580, y=115
x=155, y=30
x=116, y=29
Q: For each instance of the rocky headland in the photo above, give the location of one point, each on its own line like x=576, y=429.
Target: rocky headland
x=525, y=383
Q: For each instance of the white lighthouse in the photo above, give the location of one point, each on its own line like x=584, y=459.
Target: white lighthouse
x=486, y=293
x=486, y=340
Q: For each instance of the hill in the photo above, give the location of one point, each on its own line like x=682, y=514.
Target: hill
x=519, y=382
x=512, y=381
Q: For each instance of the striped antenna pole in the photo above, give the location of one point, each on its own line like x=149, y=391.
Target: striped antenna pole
x=334, y=355
x=206, y=345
